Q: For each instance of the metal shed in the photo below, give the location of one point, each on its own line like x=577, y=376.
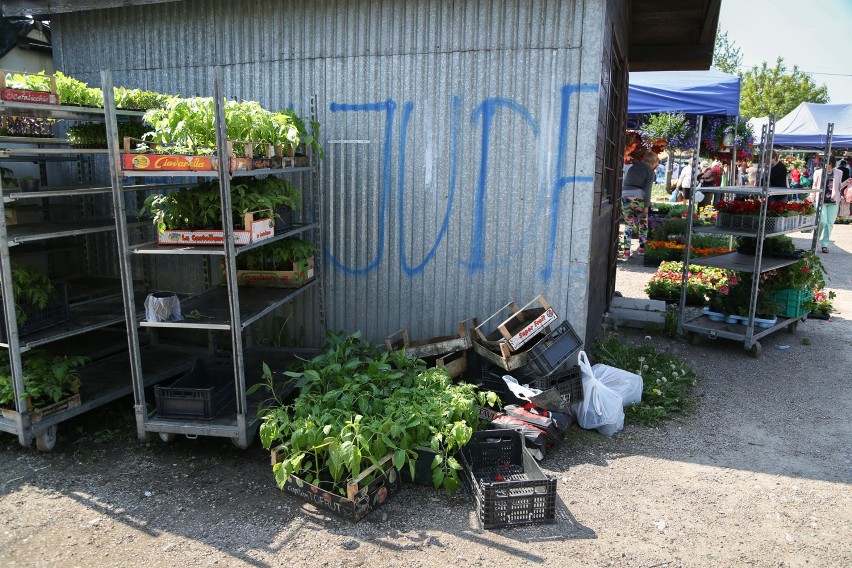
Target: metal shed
x=473, y=148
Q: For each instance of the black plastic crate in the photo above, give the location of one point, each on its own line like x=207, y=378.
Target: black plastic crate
x=509, y=487
x=551, y=352
x=55, y=312
x=569, y=383
x=492, y=380
x=202, y=393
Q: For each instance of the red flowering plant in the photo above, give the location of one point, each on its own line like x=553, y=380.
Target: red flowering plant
x=774, y=209
x=808, y=273
x=734, y=298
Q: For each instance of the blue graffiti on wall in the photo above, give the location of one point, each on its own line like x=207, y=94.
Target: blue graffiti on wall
x=485, y=113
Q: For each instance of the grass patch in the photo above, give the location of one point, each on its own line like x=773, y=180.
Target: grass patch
x=667, y=380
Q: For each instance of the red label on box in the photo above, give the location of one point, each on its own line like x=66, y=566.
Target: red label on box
x=175, y=163
x=168, y=162
x=37, y=97
x=533, y=328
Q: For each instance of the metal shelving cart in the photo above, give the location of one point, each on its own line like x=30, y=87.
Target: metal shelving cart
x=749, y=334
x=96, y=305
x=227, y=309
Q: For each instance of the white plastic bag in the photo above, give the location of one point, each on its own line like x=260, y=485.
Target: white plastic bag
x=628, y=385
x=601, y=408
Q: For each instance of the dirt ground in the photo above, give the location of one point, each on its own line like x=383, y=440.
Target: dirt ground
x=759, y=476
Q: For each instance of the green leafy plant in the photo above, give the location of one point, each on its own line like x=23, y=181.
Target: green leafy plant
x=93, y=134
x=32, y=287
x=667, y=380
x=200, y=206
x=279, y=255
x=358, y=404
x=781, y=244
x=47, y=378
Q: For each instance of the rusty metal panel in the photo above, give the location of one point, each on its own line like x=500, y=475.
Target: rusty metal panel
x=460, y=167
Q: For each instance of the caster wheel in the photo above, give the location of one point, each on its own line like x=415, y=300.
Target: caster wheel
x=755, y=350
x=793, y=327
x=167, y=436
x=47, y=439
x=693, y=338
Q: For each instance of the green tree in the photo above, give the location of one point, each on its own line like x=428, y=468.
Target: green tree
x=727, y=57
x=765, y=90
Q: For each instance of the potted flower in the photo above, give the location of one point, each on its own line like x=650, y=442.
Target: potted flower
x=820, y=306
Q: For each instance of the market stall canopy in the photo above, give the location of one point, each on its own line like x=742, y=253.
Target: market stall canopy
x=807, y=124
x=689, y=92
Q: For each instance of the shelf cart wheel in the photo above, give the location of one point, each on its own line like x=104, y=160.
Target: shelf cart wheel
x=47, y=439
x=755, y=350
x=693, y=338
x=167, y=437
x=793, y=327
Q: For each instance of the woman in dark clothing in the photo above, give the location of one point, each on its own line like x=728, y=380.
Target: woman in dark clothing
x=636, y=198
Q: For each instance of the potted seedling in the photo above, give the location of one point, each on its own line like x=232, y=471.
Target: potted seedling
x=29, y=183
x=48, y=381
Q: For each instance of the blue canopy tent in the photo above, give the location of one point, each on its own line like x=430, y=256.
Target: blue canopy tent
x=689, y=92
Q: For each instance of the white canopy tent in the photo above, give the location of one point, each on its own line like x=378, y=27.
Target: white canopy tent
x=807, y=124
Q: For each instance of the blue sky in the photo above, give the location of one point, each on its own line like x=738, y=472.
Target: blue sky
x=817, y=37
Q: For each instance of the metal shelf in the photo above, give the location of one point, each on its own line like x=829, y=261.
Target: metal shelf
x=32, y=140
x=85, y=317
x=254, y=303
x=756, y=191
x=215, y=174
x=712, y=230
x=71, y=191
x=735, y=331
x=67, y=112
x=9, y=152
x=154, y=248
x=227, y=425
x=744, y=262
x=47, y=230
x=754, y=264
x=108, y=379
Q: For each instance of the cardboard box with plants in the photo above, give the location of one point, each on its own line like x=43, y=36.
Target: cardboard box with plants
x=360, y=408
x=191, y=215
x=51, y=384
x=288, y=263
x=183, y=137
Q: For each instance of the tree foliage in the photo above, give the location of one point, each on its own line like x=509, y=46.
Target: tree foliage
x=765, y=90
x=727, y=57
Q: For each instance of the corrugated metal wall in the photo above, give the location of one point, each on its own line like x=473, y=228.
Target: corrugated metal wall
x=457, y=177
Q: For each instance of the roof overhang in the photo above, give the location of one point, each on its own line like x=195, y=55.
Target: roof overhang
x=11, y=8
x=672, y=35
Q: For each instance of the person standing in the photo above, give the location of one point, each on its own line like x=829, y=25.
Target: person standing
x=830, y=200
x=684, y=181
x=636, y=198
x=751, y=174
x=777, y=177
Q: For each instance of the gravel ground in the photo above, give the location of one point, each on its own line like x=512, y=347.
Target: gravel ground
x=758, y=476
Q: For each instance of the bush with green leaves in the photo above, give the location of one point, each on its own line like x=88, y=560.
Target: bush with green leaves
x=667, y=380
x=358, y=404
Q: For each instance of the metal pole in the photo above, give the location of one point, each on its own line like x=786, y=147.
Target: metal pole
x=690, y=209
x=124, y=254
x=230, y=254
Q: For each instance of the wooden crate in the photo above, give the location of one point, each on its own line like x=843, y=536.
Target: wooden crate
x=522, y=325
x=302, y=273
x=435, y=346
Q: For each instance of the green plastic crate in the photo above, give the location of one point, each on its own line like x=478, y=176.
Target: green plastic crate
x=790, y=302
